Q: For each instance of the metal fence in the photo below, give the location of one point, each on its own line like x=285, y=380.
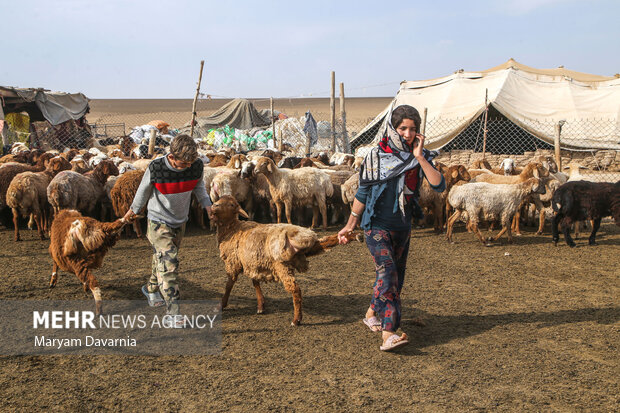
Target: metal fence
x=580, y=139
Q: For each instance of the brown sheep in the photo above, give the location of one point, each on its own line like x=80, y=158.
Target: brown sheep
x=480, y=164
x=27, y=195
x=8, y=172
x=436, y=201
x=123, y=193
x=78, y=245
x=71, y=190
x=264, y=252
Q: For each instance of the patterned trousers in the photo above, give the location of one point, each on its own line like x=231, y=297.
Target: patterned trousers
x=389, y=251
x=165, y=264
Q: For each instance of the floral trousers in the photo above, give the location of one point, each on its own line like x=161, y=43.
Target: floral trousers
x=389, y=251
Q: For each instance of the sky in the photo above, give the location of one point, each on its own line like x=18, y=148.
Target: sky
x=152, y=49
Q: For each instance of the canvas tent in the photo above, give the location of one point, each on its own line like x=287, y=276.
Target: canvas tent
x=533, y=99
x=41, y=104
x=238, y=113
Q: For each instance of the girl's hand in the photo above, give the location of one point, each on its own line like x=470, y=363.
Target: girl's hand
x=418, y=145
x=342, y=239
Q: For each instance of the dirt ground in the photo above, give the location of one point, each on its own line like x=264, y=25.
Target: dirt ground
x=535, y=330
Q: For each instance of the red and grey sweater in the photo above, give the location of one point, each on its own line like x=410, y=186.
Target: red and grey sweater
x=168, y=191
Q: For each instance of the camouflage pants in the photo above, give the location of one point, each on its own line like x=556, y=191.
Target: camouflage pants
x=165, y=264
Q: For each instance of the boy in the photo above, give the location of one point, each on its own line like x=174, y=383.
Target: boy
x=167, y=186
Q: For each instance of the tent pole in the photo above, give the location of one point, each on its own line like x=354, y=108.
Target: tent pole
x=556, y=144
x=343, y=118
x=423, y=126
x=191, y=131
x=486, y=116
x=332, y=107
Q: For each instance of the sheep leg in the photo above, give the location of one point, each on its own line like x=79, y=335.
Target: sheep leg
x=288, y=206
x=291, y=286
x=138, y=229
x=278, y=212
x=90, y=283
x=54, y=277
x=476, y=230
x=260, y=299
x=541, y=221
x=596, y=223
x=39, y=221
x=229, y=286
x=438, y=219
x=16, y=224
x=577, y=229
x=450, y=225
x=323, y=208
x=505, y=228
x=516, y=222
x=315, y=217
x=565, y=224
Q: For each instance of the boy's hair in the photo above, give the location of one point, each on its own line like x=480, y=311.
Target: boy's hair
x=406, y=112
x=184, y=148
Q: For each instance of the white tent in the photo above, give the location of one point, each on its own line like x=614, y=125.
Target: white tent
x=534, y=99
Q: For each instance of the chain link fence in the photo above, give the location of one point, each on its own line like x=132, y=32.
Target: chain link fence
x=594, y=144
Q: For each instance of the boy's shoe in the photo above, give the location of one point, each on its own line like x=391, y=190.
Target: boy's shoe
x=154, y=299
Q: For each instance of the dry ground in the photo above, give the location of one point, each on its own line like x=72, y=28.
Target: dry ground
x=536, y=330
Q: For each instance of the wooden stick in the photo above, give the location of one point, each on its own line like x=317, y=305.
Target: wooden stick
x=556, y=144
x=486, y=116
x=423, y=126
x=273, y=127
x=332, y=107
x=343, y=118
x=152, y=142
x=191, y=131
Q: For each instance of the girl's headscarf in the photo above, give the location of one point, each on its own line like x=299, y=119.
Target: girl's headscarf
x=393, y=157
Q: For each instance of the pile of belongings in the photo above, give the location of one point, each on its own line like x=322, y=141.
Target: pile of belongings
x=142, y=134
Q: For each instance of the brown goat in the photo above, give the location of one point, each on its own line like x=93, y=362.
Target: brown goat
x=265, y=252
x=9, y=171
x=78, y=245
x=27, y=195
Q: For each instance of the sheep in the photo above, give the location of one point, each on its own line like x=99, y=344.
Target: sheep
x=264, y=252
x=436, y=201
x=235, y=185
x=580, y=200
x=27, y=195
x=349, y=189
x=340, y=158
x=71, y=190
x=480, y=164
x=123, y=193
x=484, y=201
x=289, y=162
x=78, y=245
x=506, y=167
x=307, y=186
x=263, y=203
x=9, y=171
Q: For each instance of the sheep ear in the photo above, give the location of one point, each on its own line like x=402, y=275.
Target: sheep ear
x=501, y=165
x=455, y=173
x=237, y=163
x=535, y=173
x=269, y=167
x=243, y=213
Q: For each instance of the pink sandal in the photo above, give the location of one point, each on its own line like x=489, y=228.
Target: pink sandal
x=373, y=323
x=394, y=341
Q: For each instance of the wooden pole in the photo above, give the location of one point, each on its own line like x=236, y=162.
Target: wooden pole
x=423, y=126
x=191, y=131
x=486, y=116
x=556, y=144
x=332, y=107
x=343, y=118
x=152, y=142
x=308, y=144
x=273, y=127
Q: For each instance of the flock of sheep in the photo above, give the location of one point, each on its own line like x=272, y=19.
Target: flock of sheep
x=268, y=186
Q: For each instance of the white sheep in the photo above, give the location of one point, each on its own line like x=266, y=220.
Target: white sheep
x=490, y=202
x=304, y=186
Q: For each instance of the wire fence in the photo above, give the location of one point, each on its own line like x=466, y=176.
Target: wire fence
x=594, y=143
